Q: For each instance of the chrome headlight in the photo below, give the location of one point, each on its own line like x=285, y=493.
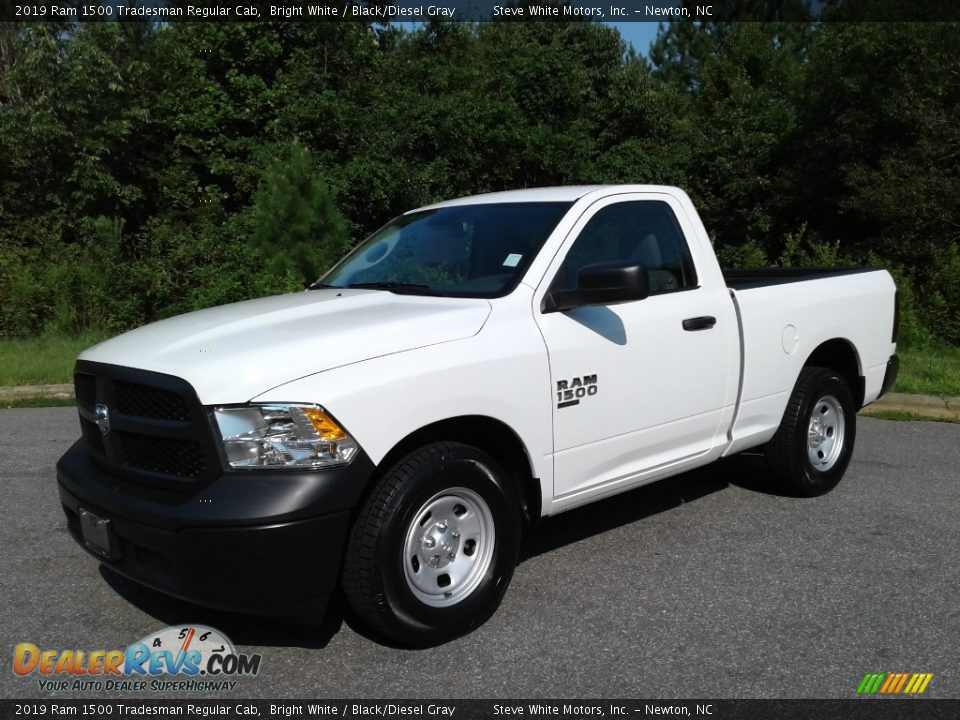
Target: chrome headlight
x=283, y=436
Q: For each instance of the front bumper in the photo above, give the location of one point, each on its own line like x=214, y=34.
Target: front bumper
x=268, y=543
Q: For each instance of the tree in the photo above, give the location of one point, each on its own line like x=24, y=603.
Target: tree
x=297, y=230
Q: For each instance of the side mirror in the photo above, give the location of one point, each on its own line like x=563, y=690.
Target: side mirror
x=604, y=283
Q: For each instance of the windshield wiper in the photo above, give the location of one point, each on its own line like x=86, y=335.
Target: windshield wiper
x=395, y=287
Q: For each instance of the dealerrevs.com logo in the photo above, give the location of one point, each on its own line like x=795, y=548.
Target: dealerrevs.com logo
x=181, y=658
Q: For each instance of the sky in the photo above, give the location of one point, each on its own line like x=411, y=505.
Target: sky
x=638, y=34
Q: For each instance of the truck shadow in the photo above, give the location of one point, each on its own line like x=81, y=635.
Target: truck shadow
x=744, y=471
x=244, y=630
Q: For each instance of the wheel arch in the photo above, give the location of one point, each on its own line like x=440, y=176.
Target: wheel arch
x=839, y=354
x=493, y=436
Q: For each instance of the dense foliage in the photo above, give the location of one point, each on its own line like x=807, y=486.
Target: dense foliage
x=147, y=170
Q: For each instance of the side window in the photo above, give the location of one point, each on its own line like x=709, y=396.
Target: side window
x=645, y=232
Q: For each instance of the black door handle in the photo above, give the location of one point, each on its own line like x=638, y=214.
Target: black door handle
x=705, y=322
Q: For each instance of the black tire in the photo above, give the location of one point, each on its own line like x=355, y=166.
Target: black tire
x=789, y=452
x=378, y=585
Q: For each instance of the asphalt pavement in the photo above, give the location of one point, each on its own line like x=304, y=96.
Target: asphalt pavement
x=710, y=584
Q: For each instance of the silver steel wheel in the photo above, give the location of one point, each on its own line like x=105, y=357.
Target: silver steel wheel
x=448, y=547
x=825, y=434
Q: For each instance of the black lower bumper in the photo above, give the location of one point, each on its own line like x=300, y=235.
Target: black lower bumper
x=268, y=543
x=890, y=376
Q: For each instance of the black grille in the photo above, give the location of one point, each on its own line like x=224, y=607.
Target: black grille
x=85, y=387
x=159, y=439
x=149, y=402
x=182, y=458
x=93, y=436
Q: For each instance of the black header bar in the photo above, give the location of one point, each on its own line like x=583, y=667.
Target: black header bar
x=386, y=11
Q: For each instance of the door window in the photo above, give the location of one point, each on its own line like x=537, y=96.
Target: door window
x=645, y=232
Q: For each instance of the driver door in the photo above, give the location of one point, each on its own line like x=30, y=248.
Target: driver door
x=634, y=391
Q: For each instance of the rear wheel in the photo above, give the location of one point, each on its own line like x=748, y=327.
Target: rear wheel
x=813, y=445
x=434, y=546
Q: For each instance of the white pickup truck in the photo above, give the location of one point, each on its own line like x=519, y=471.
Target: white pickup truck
x=472, y=367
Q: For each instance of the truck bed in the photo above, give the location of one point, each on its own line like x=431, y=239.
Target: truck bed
x=746, y=278
x=785, y=314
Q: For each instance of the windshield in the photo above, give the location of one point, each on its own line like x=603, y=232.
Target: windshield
x=463, y=250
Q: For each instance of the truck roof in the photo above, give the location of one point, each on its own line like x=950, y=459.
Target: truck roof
x=568, y=193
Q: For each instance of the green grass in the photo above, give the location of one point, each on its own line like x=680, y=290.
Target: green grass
x=41, y=360
x=929, y=371
x=36, y=402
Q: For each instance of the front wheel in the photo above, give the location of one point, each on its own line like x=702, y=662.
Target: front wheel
x=434, y=546
x=813, y=445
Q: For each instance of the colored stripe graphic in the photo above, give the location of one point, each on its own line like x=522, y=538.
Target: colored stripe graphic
x=894, y=683
x=890, y=682
x=900, y=682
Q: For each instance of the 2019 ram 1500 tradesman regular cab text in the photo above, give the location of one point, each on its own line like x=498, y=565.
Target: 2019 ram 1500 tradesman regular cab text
x=473, y=366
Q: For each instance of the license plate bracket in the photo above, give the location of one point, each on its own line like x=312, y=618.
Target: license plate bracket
x=98, y=535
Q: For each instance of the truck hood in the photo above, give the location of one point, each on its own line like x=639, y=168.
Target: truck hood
x=235, y=352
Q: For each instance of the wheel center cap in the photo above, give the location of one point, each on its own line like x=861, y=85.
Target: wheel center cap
x=440, y=545
x=817, y=433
